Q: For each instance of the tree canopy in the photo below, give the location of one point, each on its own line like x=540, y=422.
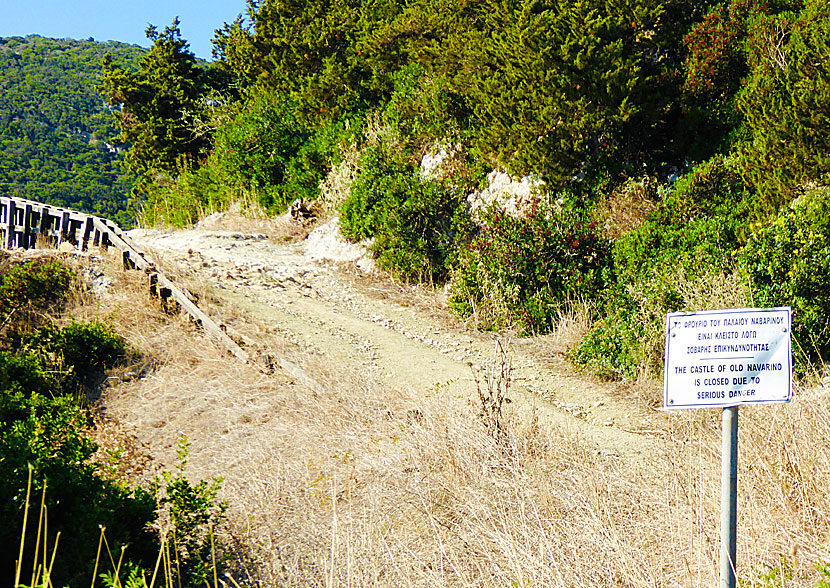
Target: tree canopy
x=159, y=105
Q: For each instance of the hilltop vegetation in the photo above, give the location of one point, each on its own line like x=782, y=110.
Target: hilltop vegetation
x=667, y=140
x=55, y=132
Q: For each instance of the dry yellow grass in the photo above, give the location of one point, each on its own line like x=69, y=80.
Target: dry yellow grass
x=344, y=480
x=626, y=208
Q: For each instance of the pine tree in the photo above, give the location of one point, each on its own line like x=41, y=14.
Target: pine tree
x=786, y=102
x=159, y=105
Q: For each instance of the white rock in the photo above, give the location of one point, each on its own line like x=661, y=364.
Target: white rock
x=326, y=243
x=431, y=162
x=513, y=195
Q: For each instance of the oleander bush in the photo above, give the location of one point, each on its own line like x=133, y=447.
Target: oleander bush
x=522, y=271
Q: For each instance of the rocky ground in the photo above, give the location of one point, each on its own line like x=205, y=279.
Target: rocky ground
x=323, y=295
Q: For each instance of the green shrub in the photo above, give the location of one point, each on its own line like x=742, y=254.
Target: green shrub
x=788, y=264
x=705, y=217
x=263, y=152
x=414, y=222
x=611, y=348
x=78, y=352
x=252, y=149
x=194, y=513
x=680, y=258
x=43, y=427
x=50, y=434
x=522, y=270
x=24, y=372
x=716, y=67
x=786, y=102
x=558, y=87
x=423, y=109
x=29, y=290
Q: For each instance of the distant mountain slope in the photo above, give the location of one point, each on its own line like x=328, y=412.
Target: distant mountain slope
x=54, y=128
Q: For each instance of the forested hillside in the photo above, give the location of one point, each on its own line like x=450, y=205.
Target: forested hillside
x=678, y=150
x=54, y=127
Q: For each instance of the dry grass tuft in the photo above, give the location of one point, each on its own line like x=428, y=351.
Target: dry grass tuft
x=336, y=186
x=249, y=217
x=353, y=483
x=698, y=289
x=572, y=322
x=627, y=207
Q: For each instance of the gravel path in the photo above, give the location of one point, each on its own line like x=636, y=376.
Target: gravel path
x=331, y=308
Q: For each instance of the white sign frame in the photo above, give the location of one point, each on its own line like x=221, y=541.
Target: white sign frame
x=728, y=357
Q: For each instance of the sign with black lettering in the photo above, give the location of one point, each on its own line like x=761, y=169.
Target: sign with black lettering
x=728, y=357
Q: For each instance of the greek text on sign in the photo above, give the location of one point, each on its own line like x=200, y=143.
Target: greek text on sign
x=728, y=357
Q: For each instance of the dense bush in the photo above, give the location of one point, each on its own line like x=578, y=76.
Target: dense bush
x=28, y=291
x=522, y=270
x=318, y=52
x=77, y=353
x=265, y=149
x=558, y=82
x=716, y=67
x=414, y=222
x=704, y=217
x=25, y=372
x=263, y=153
x=36, y=354
x=44, y=427
x=788, y=264
x=672, y=262
x=612, y=349
x=786, y=102
x=39, y=362
x=49, y=434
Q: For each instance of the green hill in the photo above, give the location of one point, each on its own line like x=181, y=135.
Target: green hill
x=54, y=127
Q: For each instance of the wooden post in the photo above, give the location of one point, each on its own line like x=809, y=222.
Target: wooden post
x=72, y=233
x=128, y=261
x=164, y=296
x=45, y=221
x=64, y=227
x=83, y=240
x=10, y=214
x=26, y=241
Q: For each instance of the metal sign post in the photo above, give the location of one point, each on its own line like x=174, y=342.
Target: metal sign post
x=726, y=358
x=729, y=497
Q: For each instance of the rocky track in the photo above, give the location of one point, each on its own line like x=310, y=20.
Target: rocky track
x=356, y=322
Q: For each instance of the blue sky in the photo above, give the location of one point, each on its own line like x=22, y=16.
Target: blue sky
x=117, y=20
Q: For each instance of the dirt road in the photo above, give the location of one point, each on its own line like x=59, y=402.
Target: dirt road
x=401, y=334
x=368, y=465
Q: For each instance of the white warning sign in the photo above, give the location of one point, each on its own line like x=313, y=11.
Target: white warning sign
x=728, y=357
